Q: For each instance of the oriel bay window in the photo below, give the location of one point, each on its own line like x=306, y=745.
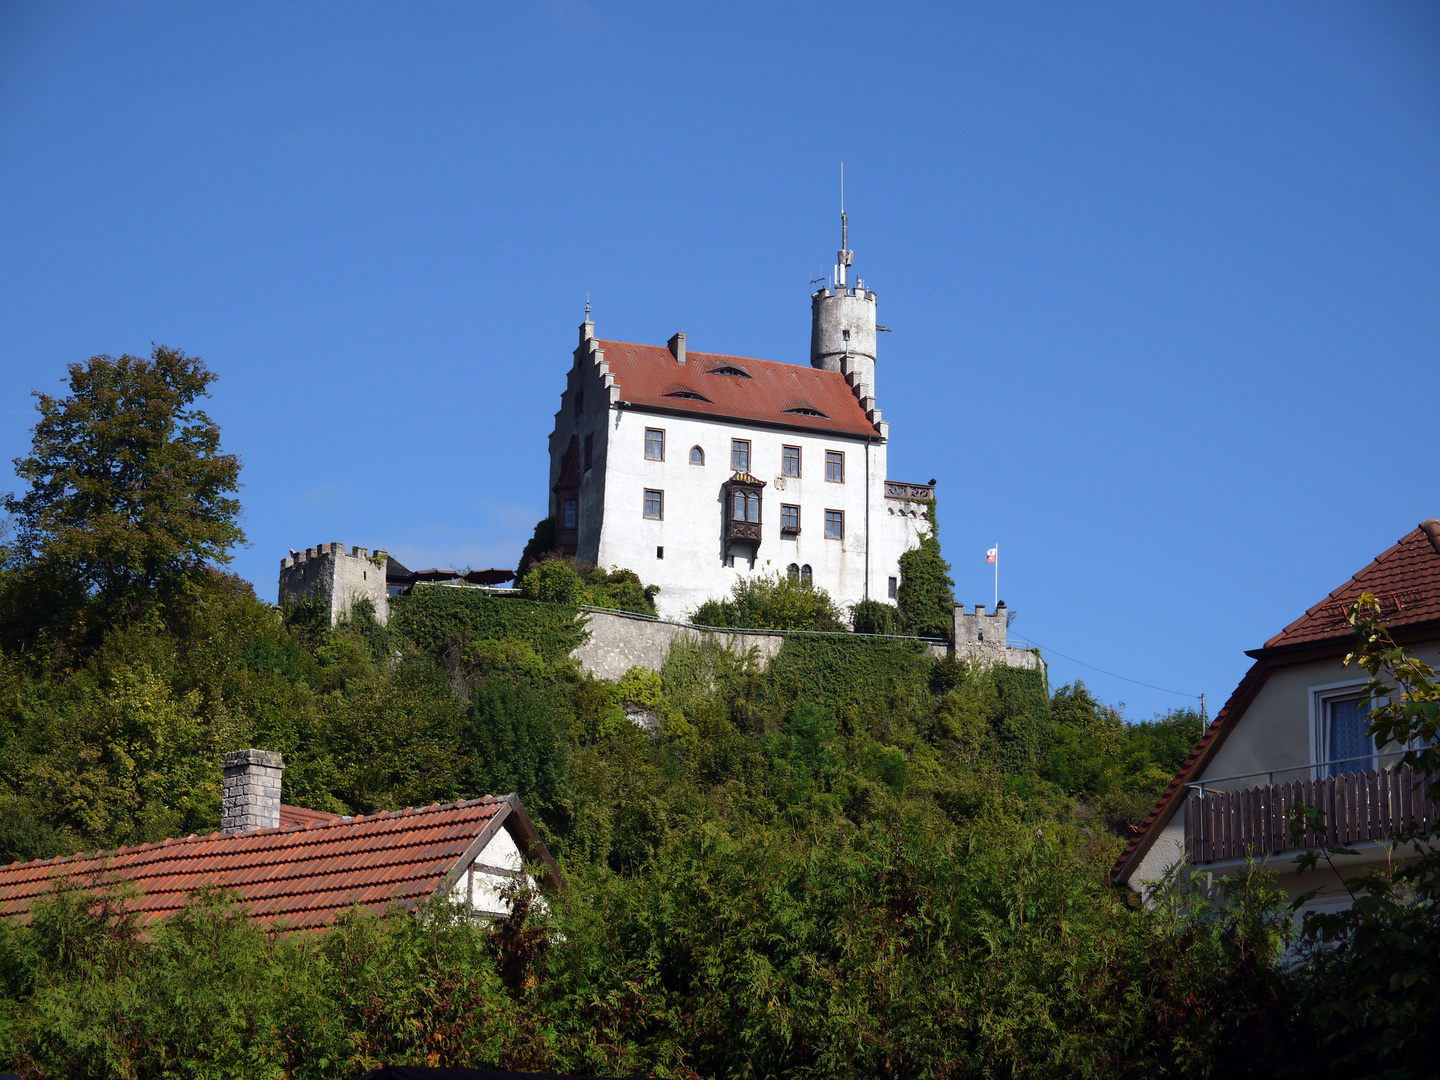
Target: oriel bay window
x=742, y=515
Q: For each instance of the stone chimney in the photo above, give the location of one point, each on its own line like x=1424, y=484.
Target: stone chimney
x=251, y=796
x=677, y=346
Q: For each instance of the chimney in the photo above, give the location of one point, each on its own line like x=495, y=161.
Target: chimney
x=251, y=797
x=677, y=346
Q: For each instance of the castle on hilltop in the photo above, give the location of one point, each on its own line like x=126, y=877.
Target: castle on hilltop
x=696, y=468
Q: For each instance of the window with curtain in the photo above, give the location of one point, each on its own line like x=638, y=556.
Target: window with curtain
x=1345, y=737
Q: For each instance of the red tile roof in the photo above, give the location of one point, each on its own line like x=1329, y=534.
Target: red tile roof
x=1405, y=579
x=302, y=876
x=648, y=375
x=290, y=816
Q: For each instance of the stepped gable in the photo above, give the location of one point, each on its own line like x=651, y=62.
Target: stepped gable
x=1406, y=581
x=301, y=877
x=766, y=392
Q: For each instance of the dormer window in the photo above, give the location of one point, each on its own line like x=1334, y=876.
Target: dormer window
x=805, y=410
x=731, y=370
x=690, y=394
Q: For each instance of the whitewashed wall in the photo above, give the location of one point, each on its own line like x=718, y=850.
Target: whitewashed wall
x=692, y=532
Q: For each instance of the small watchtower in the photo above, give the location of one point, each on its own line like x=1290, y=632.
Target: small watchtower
x=336, y=578
x=843, y=328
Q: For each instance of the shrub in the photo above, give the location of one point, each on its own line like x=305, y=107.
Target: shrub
x=772, y=602
x=876, y=617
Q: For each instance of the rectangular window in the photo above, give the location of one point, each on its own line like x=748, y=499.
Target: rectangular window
x=789, y=519
x=654, y=505
x=1345, y=738
x=835, y=466
x=894, y=591
x=834, y=524
x=659, y=553
x=654, y=444
x=740, y=455
x=589, y=450
x=790, y=461
x=569, y=514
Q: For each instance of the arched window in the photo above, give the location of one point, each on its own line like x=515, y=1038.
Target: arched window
x=806, y=574
x=737, y=510
x=793, y=571
x=754, y=507
x=697, y=456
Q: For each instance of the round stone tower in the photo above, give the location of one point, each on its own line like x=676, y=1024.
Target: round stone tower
x=842, y=326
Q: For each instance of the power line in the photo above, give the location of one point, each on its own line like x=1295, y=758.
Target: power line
x=1123, y=678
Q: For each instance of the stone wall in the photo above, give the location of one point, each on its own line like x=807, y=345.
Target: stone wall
x=619, y=642
x=336, y=579
x=980, y=638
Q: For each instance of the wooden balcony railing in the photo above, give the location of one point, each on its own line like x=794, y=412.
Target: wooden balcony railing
x=1356, y=807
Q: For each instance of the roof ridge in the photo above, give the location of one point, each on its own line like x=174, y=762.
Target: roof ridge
x=195, y=838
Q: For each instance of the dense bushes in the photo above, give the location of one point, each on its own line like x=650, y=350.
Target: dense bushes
x=772, y=602
x=556, y=579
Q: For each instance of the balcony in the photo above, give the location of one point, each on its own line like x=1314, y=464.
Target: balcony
x=1356, y=807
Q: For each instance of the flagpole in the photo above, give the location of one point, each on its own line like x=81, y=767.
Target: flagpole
x=997, y=574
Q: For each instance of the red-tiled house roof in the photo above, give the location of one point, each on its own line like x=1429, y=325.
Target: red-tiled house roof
x=302, y=876
x=1406, y=581
x=763, y=391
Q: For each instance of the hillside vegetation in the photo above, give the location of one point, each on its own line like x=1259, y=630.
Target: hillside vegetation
x=856, y=861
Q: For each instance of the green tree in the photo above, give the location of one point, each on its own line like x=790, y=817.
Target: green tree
x=927, y=593
x=129, y=493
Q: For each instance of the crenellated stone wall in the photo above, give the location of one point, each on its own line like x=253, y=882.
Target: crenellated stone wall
x=336, y=578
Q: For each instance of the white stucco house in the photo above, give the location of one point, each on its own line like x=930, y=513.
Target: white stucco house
x=1294, y=731
x=694, y=468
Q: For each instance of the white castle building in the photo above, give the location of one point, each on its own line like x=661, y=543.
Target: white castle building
x=695, y=468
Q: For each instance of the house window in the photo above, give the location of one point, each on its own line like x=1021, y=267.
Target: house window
x=789, y=518
x=740, y=455
x=1344, y=737
x=589, y=450
x=654, y=505
x=745, y=506
x=834, y=524
x=697, y=456
x=806, y=574
x=654, y=444
x=568, y=514
x=659, y=553
x=835, y=466
x=894, y=591
x=790, y=461
x=793, y=571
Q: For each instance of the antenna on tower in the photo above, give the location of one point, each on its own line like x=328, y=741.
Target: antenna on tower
x=844, y=257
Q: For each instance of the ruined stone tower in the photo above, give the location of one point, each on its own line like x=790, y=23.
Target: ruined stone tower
x=336, y=579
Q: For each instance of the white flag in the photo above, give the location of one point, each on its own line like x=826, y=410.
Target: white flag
x=990, y=555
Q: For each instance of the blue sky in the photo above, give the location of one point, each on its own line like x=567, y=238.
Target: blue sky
x=1164, y=279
